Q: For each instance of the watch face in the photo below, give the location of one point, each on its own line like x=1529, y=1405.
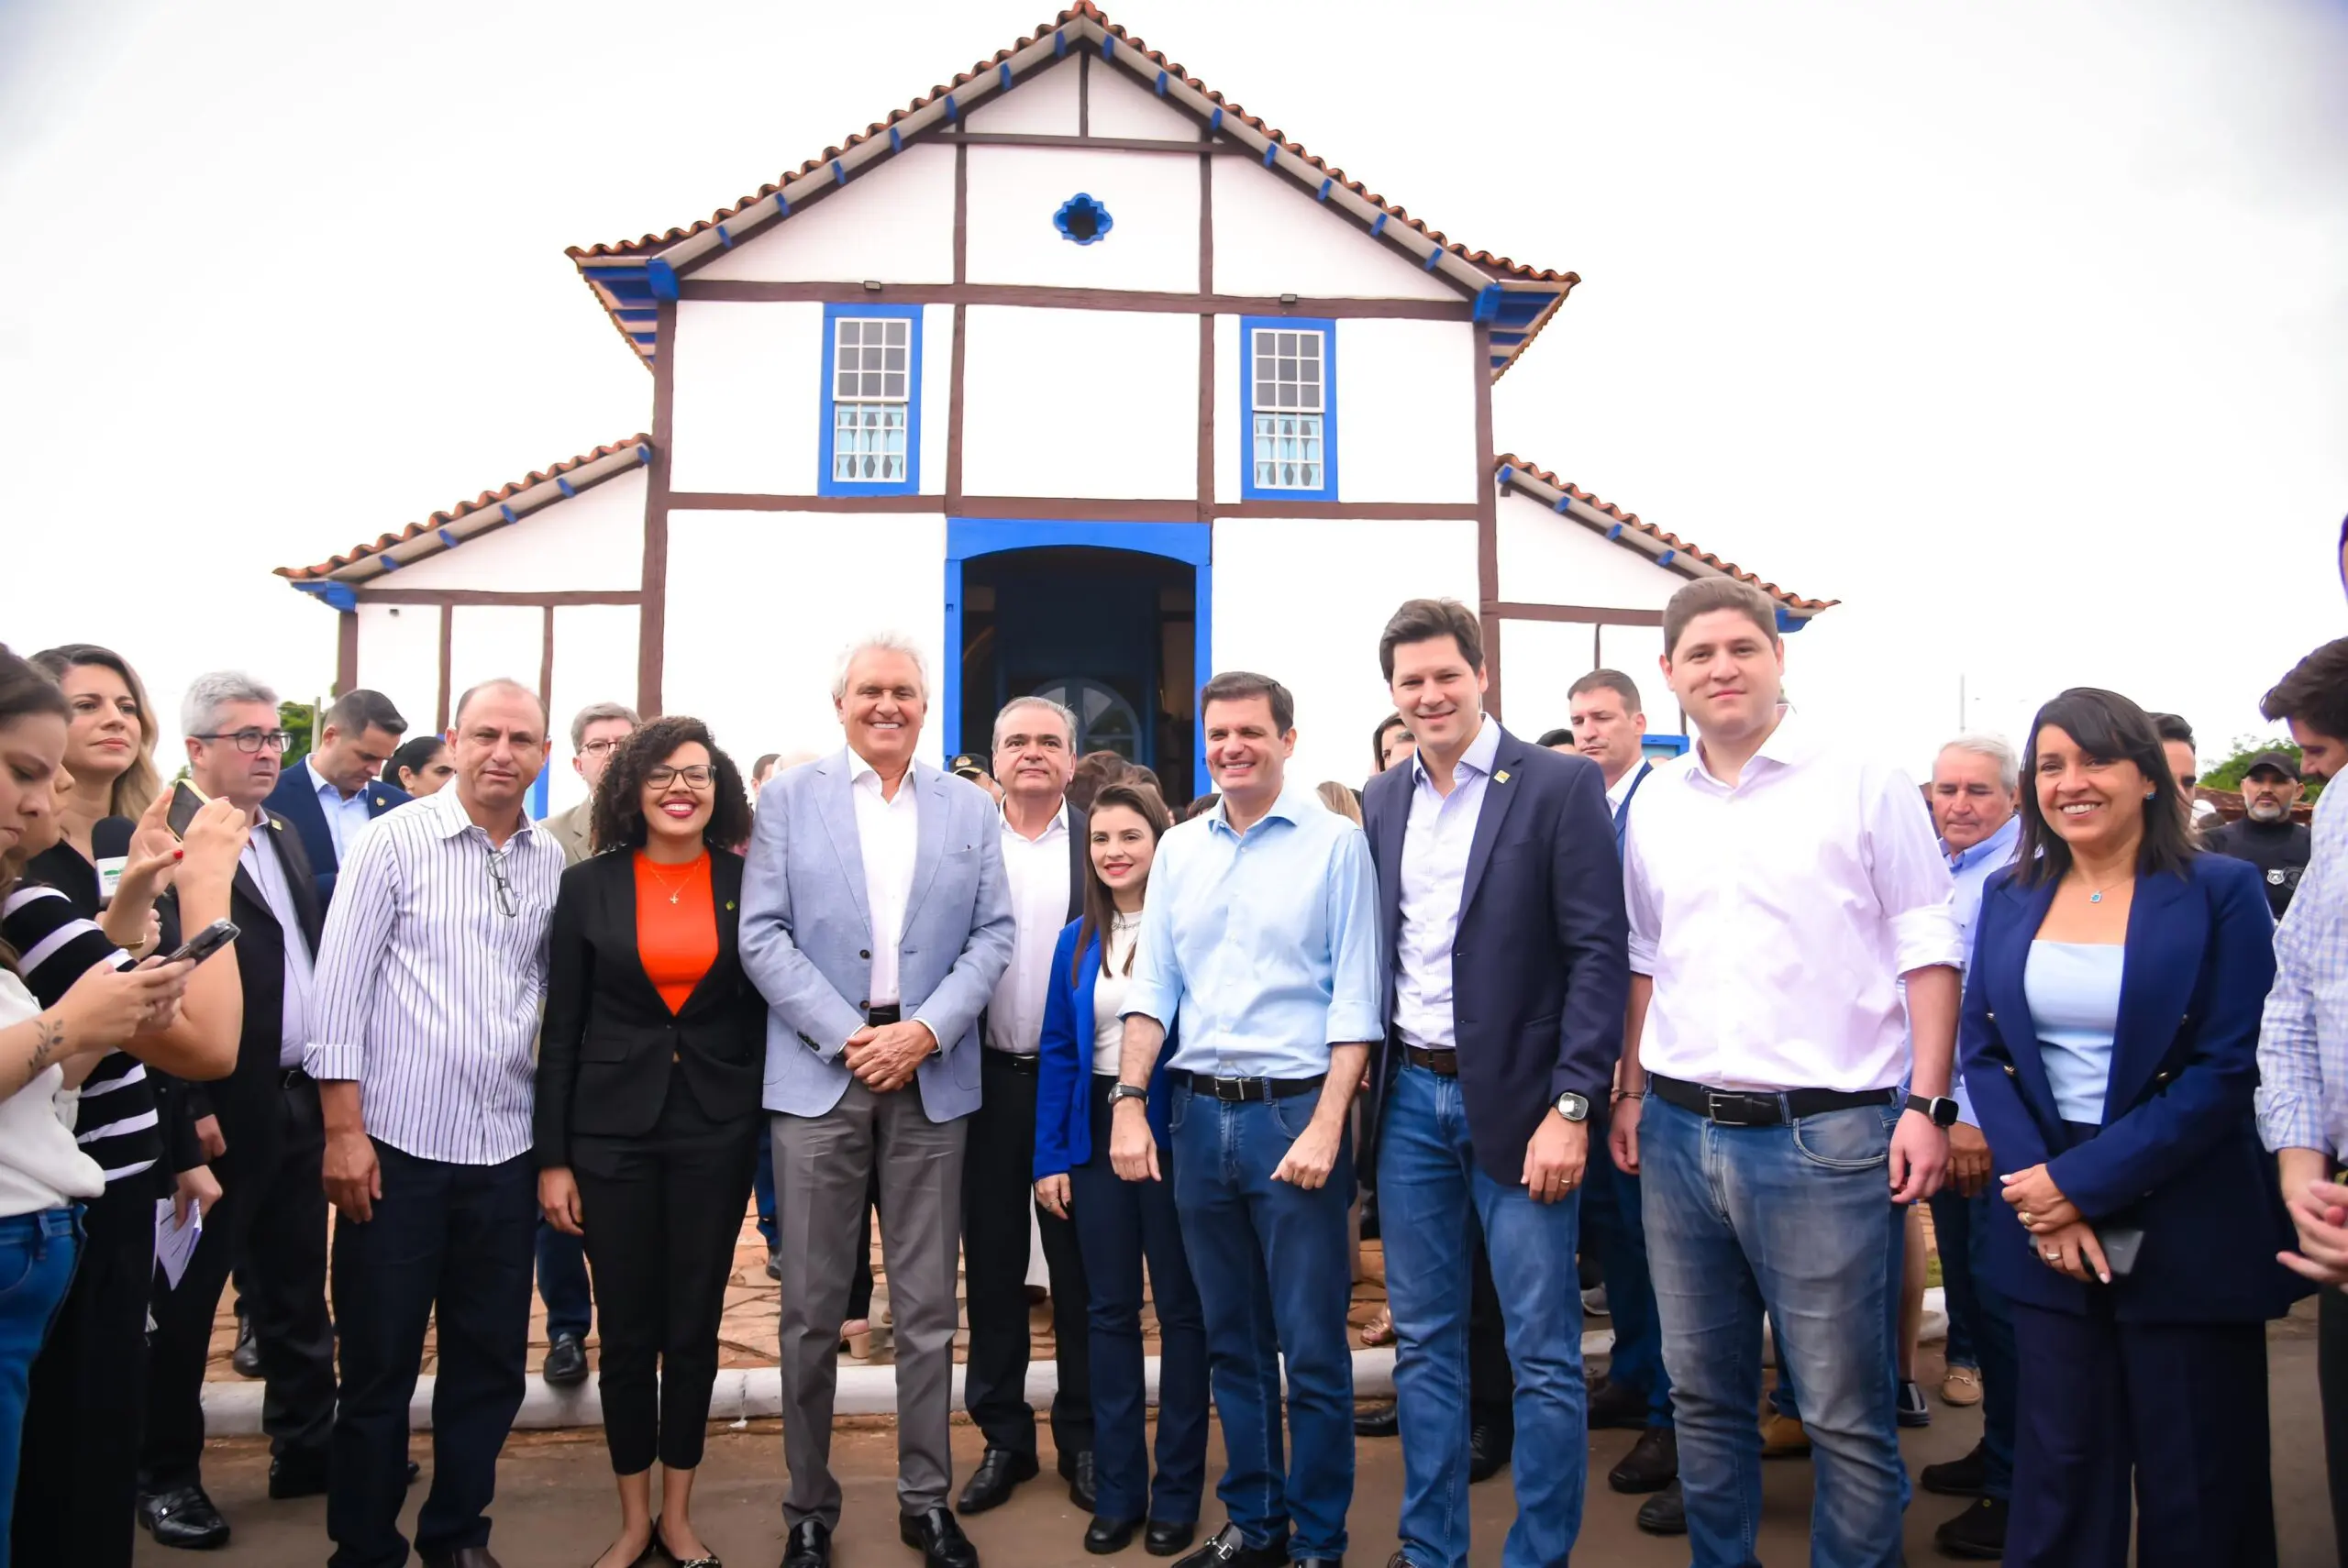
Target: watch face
x=1573, y=1107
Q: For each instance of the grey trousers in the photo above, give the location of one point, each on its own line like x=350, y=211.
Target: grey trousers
x=821, y=1164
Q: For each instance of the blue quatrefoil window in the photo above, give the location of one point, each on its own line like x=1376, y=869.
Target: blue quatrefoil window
x=1083, y=220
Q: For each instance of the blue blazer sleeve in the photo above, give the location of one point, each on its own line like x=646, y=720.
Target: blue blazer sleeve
x=2015, y=1142
x=2212, y=1091
x=1060, y=1069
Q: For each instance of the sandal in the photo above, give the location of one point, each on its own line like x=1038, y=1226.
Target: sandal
x=1379, y=1331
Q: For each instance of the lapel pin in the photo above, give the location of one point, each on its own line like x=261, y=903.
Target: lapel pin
x=1501, y=777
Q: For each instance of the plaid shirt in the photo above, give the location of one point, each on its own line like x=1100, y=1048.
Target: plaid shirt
x=2303, y=1040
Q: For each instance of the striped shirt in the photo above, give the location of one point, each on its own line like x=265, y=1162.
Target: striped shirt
x=430, y=977
x=2303, y=1039
x=118, y=1125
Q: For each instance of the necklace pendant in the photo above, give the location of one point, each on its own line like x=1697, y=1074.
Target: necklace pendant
x=672, y=897
x=2094, y=898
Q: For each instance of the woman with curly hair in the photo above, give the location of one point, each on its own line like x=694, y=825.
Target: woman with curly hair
x=648, y=1082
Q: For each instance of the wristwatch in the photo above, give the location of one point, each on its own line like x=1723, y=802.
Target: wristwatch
x=1127, y=1091
x=1572, y=1107
x=1941, y=1109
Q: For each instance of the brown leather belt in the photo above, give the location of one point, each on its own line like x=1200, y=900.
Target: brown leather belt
x=1443, y=1064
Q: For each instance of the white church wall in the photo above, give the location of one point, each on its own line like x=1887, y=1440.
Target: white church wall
x=1273, y=237
x=594, y=541
x=1152, y=201
x=1545, y=558
x=1540, y=661
x=1071, y=403
x=894, y=221
x=1043, y=103
x=1304, y=600
x=594, y=661
x=1124, y=106
x=1406, y=417
x=749, y=404
x=399, y=654
x=1231, y=434
x=760, y=605
x=493, y=642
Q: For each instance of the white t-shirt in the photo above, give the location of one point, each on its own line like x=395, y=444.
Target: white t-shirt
x=1109, y=996
x=41, y=1165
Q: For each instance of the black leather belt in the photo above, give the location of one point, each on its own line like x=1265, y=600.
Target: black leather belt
x=1242, y=1089
x=1011, y=1060
x=1760, y=1107
x=287, y=1078
x=1443, y=1064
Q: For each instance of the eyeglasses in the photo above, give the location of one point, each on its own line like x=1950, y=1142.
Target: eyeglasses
x=695, y=777
x=506, y=904
x=252, y=742
x=598, y=747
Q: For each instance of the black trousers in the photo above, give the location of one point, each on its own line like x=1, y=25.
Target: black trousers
x=2331, y=1383
x=998, y=1194
x=272, y=1216
x=662, y=1214
x=77, y=1481
x=448, y=1244
x=2174, y=1414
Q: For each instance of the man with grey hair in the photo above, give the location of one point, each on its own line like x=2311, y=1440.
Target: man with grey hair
x=876, y=923
x=1974, y=793
x=1044, y=853
x=596, y=731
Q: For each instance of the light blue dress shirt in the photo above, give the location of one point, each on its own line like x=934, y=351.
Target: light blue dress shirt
x=345, y=820
x=2303, y=1038
x=2073, y=988
x=1971, y=870
x=1262, y=944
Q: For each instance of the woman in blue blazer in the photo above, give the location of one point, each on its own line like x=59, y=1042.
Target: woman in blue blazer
x=1119, y=1223
x=2110, y=1035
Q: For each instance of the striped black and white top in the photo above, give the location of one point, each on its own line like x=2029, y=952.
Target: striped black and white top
x=430, y=977
x=119, y=1126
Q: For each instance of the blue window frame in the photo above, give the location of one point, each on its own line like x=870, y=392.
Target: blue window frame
x=871, y=404
x=1287, y=385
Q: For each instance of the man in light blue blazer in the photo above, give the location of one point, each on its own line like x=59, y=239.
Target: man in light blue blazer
x=876, y=922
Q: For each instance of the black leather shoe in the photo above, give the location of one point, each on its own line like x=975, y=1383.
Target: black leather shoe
x=809, y=1545
x=1488, y=1447
x=1226, y=1548
x=1076, y=1469
x=1652, y=1465
x=1379, y=1420
x=566, y=1362
x=246, y=1357
x=1105, y=1535
x=939, y=1539
x=1980, y=1532
x=299, y=1473
x=1665, y=1513
x=183, y=1517
x=1160, y=1539
x=1613, y=1404
x=774, y=1263
x=1957, y=1478
x=414, y=1470
x=991, y=1483
x=464, y=1557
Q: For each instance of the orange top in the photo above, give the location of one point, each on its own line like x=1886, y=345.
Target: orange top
x=676, y=925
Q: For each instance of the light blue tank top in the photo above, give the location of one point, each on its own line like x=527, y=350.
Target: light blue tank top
x=2073, y=988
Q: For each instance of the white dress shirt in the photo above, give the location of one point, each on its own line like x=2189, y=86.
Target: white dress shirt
x=1435, y=842
x=1109, y=995
x=265, y=864
x=888, y=835
x=345, y=819
x=1620, y=788
x=1777, y=916
x=1038, y=870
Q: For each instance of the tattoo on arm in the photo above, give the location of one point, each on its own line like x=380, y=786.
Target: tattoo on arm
x=48, y=1041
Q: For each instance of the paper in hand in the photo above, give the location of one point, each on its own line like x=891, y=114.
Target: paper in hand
x=174, y=1242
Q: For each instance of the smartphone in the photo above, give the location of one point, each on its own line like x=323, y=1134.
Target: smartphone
x=2121, y=1245
x=187, y=800
x=205, y=943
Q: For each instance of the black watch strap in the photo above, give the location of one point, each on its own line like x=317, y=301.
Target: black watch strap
x=1128, y=1091
x=1941, y=1110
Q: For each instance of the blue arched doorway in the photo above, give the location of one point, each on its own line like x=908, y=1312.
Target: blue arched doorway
x=1115, y=615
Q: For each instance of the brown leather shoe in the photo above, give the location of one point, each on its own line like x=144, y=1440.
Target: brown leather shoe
x=1782, y=1437
x=464, y=1557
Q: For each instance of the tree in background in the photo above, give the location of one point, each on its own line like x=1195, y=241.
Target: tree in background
x=2228, y=774
x=299, y=721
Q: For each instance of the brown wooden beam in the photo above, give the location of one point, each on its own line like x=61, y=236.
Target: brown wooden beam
x=448, y=640
x=521, y=597
x=1050, y=297
x=1596, y=614
x=1101, y=143
x=346, y=652
x=652, y=613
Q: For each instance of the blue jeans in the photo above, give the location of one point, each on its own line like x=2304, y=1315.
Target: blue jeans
x=1274, y=1277
x=562, y=1283
x=1612, y=1227
x=1790, y=1220
x=1427, y=1184
x=37, y=1252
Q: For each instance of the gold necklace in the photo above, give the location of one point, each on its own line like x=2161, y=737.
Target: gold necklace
x=676, y=891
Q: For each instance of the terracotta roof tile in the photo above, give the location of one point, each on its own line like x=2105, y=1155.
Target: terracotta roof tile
x=1508, y=460
x=485, y=500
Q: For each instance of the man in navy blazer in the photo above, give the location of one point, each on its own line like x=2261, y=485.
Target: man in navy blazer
x=337, y=791
x=1508, y=971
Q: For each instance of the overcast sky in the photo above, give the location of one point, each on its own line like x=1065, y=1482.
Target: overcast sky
x=2021, y=327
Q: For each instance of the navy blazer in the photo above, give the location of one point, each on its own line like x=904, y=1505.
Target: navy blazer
x=1540, y=967
x=2179, y=1154
x=296, y=801
x=1064, y=1065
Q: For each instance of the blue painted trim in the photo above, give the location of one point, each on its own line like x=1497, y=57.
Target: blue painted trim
x=507, y=513
x=1215, y=121
x=911, y=483
x=1488, y=303
x=569, y=490
x=1665, y=746
x=662, y=277
x=1507, y=473
x=1248, y=489
x=1005, y=77
x=724, y=242
x=953, y=112
x=336, y=596
x=1108, y=46
x=1272, y=150
x=1615, y=531
x=782, y=205
x=1322, y=194
x=1433, y=256
x=1379, y=227
x=644, y=451
x=1059, y=47
x=1161, y=83
x=451, y=540
x=1667, y=557
x=967, y=539
x=839, y=174
x=1102, y=222
x=1787, y=622
x=896, y=139
x=388, y=564
x=1565, y=505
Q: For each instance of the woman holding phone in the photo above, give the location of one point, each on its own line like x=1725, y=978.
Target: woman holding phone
x=1121, y=1224
x=2111, y=1036
x=649, y=1072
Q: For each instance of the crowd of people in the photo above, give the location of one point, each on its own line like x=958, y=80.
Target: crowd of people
x=1707, y=1030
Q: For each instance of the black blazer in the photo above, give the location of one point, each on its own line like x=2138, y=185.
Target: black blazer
x=294, y=798
x=610, y=1039
x=260, y=945
x=1540, y=967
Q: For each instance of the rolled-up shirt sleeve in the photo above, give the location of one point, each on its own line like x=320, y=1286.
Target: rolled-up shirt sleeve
x=350, y=957
x=1356, y=988
x=1910, y=875
x=1156, y=988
